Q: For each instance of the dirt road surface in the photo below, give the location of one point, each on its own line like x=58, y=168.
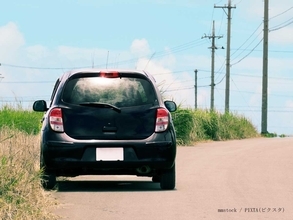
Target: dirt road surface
x=241, y=179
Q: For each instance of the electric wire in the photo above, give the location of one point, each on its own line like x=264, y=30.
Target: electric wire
x=281, y=13
x=172, y=50
x=160, y=54
x=248, y=53
x=247, y=40
x=283, y=25
x=219, y=72
x=242, y=96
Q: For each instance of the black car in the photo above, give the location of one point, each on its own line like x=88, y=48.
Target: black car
x=107, y=122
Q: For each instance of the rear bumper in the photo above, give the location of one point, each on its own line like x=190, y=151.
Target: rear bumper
x=140, y=157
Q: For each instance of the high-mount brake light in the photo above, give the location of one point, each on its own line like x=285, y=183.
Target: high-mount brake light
x=55, y=119
x=162, y=120
x=110, y=74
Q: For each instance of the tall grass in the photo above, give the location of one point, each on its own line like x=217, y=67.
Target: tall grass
x=21, y=194
x=199, y=125
x=20, y=119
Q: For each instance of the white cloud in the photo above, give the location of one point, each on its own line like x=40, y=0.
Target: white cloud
x=10, y=41
x=178, y=87
x=140, y=47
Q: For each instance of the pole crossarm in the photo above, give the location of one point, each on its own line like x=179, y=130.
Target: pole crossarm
x=226, y=7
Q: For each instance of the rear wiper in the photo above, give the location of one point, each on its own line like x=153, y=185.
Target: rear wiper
x=101, y=105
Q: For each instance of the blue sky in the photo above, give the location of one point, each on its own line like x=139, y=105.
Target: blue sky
x=40, y=40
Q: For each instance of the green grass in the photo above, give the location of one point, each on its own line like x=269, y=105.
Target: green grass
x=21, y=193
x=201, y=125
x=23, y=120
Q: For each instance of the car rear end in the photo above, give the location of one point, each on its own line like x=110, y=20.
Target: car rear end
x=108, y=122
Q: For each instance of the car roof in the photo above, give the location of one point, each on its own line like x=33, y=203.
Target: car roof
x=95, y=70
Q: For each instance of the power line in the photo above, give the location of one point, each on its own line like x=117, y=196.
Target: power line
x=221, y=80
x=172, y=50
x=271, y=51
x=248, y=53
x=281, y=13
x=242, y=96
x=280, y=26
x=258, y=93
x=247, y=40
x=40, y=68
x=162, y=73
x=28, y=82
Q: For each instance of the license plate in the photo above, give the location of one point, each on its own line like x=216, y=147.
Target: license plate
x=109, y=154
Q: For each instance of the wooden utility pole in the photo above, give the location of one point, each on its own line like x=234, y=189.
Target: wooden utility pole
x=227, y=91
x=195, y=89
x=264, y=116
x=213, y=47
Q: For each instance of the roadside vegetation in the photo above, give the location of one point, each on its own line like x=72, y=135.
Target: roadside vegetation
x=202, y=125
x=21, y=194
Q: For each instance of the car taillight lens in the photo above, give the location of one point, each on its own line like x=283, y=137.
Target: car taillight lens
x=162, y=120
x=109, y=74
x=55, y=118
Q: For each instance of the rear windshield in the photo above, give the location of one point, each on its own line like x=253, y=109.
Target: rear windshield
x=121, y=92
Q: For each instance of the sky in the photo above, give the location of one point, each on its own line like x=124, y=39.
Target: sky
x=40, y=40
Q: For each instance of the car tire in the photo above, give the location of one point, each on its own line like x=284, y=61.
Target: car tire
x=48, y=180
x=168, y=179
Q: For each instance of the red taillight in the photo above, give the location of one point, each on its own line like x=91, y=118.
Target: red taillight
x=55, y=118
x=110, y=74
x=162, y=120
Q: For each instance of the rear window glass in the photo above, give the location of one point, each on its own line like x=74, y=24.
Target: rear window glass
x=121, y=92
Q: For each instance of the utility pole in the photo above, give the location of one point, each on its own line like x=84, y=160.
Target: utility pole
x=195, y=89
x=264, y=111
x=227, y=91
x=213, y=47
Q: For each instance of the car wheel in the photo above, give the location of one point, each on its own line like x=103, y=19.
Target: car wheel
x=168, y=179
x=48, y=180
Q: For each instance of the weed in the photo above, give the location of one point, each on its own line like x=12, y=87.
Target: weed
x=21, y=194
x=200, y=125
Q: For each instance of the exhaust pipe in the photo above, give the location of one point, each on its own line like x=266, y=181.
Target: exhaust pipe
x=143, y=170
